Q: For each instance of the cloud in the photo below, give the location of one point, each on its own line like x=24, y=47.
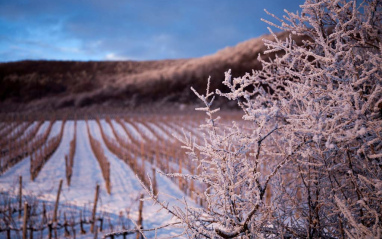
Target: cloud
x=114, y=57
x=93, y=29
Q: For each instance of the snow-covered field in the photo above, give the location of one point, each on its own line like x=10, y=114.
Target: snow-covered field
x=126, y=187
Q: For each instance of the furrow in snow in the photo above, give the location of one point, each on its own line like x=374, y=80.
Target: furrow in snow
x=86, y=171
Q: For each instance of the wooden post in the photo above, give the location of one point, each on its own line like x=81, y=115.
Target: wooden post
x=67, y=233
x=156, y=154
x=56, y=208
x=192, y=189
x=180, y=179
x=110, y=226
x=95, y=232
x=143, y=160
x=140, y=218
x=25, y=220
x=108, y=183
x=142, y=150
x=50, y=230
x=94, y=209
x=8, y=224
x=44, y=218
x=155, y=186
x=168, y=163
x=57, y=201
x=67, y=169
x=81, y=224
x=20, y=194
x=101, y=224
x=31, y=233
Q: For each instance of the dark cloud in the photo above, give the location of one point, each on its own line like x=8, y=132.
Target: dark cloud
x=141, y=30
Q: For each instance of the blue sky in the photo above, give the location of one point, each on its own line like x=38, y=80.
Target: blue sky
x=129, y=29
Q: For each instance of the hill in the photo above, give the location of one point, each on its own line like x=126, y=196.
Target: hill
x=50, y=85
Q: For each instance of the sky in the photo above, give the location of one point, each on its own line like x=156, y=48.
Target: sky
x=101, y=30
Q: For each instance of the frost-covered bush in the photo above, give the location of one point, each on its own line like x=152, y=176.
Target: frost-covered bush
x=309, y=161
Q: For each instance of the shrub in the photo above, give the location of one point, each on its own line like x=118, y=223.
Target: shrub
x=315, y=146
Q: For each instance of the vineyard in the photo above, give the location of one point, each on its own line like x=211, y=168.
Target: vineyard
x=82, y=177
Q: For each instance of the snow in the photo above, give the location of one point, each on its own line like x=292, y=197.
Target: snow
x=54, y=169
x=125, y=186
x=107, y=129
x=30, y=128
x=124, y=182
x=86, y=171
x=10, y=177
x=160, y=132
x=133, y=131
x=118, y=128
x=17, y=129
x=166, y=127
x=50, y=175
x=145, y=131
x=55, y=129
x=43, y=127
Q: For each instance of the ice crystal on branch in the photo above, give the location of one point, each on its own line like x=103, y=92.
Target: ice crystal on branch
x=308, y=163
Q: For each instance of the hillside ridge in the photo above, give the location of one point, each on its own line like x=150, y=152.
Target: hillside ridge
x=33, y=85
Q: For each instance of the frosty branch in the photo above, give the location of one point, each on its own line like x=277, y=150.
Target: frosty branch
x=308, y=162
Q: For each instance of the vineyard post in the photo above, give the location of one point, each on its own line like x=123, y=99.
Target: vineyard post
x=100, y=224
x=67, y=233
x=8, y=224
x=94, y=209
x=73, y=230
x=20, y=194
x=192, y=189
x=180, y=172
x=50, y=230
x=81, y=224
x=67, y=169
x=142, y=149
x=95, y=232
x=108, y=183
x=44, y=218
x=143, y=158
x=57, y=201
x=31, y=232
x=140, y=218
x=156, y=154
x=25, y=220
x=155, y=186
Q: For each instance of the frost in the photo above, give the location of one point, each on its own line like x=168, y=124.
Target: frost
x=307, y=161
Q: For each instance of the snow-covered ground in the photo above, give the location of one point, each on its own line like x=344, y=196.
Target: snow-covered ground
x=125, y=186
x=133, y=131
x=43, y=127
x=145, y=131
x=55, y=129
x=47, y=181
x=120, y=131
x=160, y=132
